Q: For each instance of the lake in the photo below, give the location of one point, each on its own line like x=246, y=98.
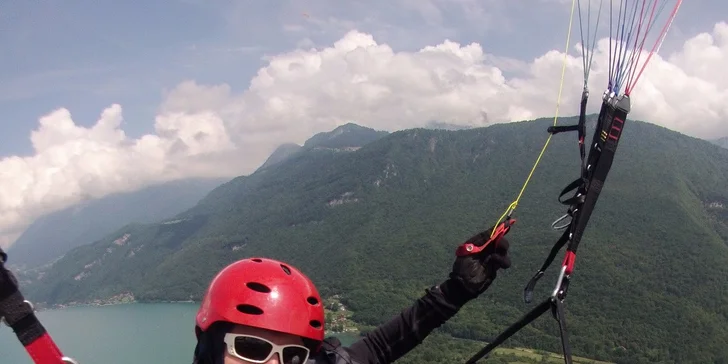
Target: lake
x=121, y=334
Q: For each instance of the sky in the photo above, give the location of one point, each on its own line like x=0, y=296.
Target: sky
x=101, y=96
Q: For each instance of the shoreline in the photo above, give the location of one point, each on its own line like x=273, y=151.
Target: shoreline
x=113, y=301
x=352, y=330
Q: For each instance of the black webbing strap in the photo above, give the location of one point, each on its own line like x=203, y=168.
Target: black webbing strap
x=525, y=320
x=604, y=146
x=528, y=291
x=581, y=205
x=562, y=128
x=605, y=140
x=14, y=310
x=561, y=318
x=556, y=306
x=18, y=313
x=580, y=127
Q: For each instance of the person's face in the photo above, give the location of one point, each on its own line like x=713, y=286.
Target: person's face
x=276, y=338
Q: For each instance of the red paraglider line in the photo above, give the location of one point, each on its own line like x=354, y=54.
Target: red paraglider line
x=642, y=44
x=630, y=86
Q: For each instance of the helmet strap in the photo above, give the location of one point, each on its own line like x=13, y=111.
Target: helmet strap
x=210, y=348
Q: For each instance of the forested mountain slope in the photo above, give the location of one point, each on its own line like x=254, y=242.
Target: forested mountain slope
x=379, y=224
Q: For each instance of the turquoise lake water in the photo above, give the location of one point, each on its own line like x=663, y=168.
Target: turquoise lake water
x=122, y=334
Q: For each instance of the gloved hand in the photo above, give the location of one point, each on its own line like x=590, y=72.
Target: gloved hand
x=476, y=272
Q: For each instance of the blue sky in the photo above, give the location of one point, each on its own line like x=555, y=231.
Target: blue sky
x=85, y=55
x=214, y=86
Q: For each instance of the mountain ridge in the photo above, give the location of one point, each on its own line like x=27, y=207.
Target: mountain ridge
x=723, y=142
x=349, y=135
x=350, y=220
x=53, y=234
x=283, y=152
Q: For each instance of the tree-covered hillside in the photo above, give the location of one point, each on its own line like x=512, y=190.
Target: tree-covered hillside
x=379, y=224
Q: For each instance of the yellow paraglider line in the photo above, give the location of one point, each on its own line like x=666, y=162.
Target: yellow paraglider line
x=514, y=204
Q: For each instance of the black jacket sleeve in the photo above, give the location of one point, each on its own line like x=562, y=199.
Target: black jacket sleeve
x=404, y=332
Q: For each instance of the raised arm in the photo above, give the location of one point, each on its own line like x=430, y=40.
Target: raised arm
x=471, y=275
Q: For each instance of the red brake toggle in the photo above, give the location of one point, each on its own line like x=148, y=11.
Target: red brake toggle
x=501, y=230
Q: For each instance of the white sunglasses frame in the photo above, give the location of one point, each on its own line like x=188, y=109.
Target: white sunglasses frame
x=230, y=343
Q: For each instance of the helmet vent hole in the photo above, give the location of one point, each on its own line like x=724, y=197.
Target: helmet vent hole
x=315, y=323
x=312, y=300
x=250, y=309
x=258, y=287
x=257, y=260
x=286, y=269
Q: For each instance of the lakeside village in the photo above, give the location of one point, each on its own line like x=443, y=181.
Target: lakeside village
x=120, y=299
x=338, y=317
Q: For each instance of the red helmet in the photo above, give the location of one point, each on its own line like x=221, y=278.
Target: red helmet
x=264, y=293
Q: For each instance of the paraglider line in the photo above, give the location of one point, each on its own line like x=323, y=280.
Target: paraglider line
x=658, y=44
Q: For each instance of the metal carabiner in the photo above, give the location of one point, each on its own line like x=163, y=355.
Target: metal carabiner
x=558, y=288
x=561, y=227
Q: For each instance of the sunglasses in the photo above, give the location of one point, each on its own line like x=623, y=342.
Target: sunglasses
x=259, y=350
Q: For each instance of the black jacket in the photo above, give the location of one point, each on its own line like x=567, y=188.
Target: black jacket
x=402, y=333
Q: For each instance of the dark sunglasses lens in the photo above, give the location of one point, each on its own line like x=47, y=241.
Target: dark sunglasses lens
x=252, y=348
x=293, y=355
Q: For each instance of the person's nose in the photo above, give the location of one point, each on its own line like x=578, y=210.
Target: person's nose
x=274, y=359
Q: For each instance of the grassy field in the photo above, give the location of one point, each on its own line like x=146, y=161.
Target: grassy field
x=531, y=356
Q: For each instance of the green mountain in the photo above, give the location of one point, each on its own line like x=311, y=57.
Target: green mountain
x=280, y=154
x=348, y=136
x=377, y=225
x=52, y=235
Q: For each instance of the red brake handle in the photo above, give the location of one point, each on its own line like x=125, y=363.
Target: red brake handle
x=501, y=230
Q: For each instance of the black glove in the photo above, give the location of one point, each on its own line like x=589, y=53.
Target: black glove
x=476, y=272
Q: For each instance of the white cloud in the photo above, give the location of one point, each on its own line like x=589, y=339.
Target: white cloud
x=72, y=163
x=8, y=239
x=210, y=131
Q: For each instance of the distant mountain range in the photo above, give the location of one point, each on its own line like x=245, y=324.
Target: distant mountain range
x=53, y=235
